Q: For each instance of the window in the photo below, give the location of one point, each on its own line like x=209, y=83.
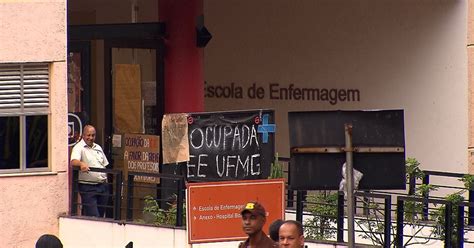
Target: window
x=24, y=110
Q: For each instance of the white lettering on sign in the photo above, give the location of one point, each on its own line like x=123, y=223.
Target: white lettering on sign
x=218, y=137
x=206, y=217
x=212, y=141
x=205, y=208
x=231, y=207
x=232, y=165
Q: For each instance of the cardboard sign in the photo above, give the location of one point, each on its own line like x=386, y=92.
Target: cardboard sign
x=142, y=154
x=230, y=145
x=175, y=138
x=213, y=209
x=127, y=85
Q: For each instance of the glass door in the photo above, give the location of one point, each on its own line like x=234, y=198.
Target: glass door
x=78, y=87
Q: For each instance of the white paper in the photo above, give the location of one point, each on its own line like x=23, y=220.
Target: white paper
x=117, y=140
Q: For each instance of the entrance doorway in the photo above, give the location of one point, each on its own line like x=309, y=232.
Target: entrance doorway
x=121, y=84
x=132, y=49
x=134, y=90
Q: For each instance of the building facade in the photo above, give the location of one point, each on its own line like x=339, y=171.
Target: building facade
x=34, y=167
x=362, y=54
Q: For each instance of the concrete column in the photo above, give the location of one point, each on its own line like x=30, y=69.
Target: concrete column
x=184, y=82
x=470, y=73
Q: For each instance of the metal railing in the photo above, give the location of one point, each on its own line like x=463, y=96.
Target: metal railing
x=448, y=227
x=126, y=205
x=426, y=200
x=426, y=180
x=114, y=175
x=123, y=194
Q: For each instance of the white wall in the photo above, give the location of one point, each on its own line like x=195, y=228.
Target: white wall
x=73, y=233
x=400, y=54
x=80, y=233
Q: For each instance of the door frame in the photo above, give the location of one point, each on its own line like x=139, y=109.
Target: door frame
x=124, y=35
x=84, y=48
x=108, y=86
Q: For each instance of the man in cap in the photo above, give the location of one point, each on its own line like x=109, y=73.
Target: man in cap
x=253, y=219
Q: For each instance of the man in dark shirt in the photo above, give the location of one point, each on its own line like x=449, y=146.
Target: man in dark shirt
x=253, y=219
x=274, y=228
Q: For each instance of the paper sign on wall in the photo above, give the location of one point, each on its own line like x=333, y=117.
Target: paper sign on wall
x=175, y=138
x=142, y=154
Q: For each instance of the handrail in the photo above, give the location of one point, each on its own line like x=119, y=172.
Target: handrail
x=105, y=170
x=118, y=191
x=426, y=180
x=179, y=182
x=443, y=173
x=160, y=175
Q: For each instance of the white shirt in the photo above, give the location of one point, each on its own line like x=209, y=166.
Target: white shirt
x=94, y=157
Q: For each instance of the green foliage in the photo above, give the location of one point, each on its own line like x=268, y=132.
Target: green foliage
x=413, y=169
x=277, y=168
x=373, y=223
x=424, y=189
x=323, y=209
x=468, y=181
x=414, y=209
x=162, y=216
x=440, y=219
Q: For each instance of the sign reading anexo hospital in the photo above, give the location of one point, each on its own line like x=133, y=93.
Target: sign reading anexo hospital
x=230, y=145
x=213, y=216
x=142, y=155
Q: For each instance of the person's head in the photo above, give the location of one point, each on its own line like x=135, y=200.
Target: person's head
x=48, y=241
x=291, y=234
x=88, y=135
x=274, y=228
x=253, y=218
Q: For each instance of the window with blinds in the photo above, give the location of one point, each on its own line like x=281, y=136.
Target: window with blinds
x=24, y=88
x=24, y=111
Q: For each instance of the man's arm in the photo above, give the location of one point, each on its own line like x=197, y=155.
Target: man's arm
x=80, y=164
x=76, y=157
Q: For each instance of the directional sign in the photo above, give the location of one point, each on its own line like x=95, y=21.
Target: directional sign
x=213, y=209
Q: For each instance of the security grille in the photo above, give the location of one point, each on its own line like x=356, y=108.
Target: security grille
x=24, y=88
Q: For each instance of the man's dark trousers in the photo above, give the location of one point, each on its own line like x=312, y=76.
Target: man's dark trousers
x=94, y=198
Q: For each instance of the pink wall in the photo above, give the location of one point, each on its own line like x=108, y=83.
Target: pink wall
x=30, y=204
x=27, y=35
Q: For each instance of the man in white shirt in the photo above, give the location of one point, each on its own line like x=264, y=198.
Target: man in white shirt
x=92, y=185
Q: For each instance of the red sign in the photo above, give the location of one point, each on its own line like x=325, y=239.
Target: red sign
x=213, y=208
